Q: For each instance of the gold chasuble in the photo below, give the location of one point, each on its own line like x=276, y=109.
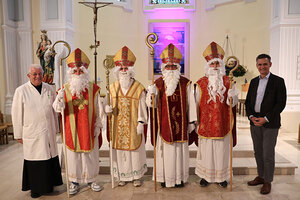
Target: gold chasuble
x=80, y=118
x=125, y=116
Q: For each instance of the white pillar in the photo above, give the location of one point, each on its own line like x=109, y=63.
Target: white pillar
x=57, y=19
x=17, y=45
x=285, y=47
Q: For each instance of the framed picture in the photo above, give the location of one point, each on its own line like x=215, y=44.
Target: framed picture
x=170, y=31
x=151, y=5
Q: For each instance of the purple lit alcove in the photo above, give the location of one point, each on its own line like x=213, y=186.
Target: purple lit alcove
x=170, y=31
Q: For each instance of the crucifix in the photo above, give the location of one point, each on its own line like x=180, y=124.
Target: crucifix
x=95, y=5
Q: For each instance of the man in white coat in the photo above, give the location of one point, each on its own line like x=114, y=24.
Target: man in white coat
x=83, y=112
x=35, y=126
x=129, y=114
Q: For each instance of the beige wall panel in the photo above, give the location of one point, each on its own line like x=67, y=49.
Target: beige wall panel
x=35, y=7
x=247, y=25
x=2, y=63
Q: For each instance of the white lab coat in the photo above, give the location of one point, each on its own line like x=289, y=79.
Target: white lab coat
x=35, y=121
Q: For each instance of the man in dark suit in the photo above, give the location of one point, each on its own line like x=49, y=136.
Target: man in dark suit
x=265, y=101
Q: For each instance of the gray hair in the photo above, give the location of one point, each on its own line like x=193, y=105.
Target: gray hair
x=36, y=66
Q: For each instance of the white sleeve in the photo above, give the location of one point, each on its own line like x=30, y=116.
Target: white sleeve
x=198, y=93
x=192, y=109
x=234, y=93
x=56, y=105
x=99, y=114
x=149, y=99
x=235, y=100
x=142, y=112
x=54, y=112
x=105, y=100
x=17, y=113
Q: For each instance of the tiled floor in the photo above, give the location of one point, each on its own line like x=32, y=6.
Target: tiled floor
x=284, y=187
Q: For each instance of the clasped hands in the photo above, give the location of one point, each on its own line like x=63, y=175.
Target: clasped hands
x=258, y=121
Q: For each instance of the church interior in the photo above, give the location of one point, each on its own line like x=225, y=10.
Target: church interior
x=244, y=28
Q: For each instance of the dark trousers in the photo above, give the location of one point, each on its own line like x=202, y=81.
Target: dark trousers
x=264, y=141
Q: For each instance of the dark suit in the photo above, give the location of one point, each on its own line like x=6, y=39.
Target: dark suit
x=273, y=102
x=265, y=137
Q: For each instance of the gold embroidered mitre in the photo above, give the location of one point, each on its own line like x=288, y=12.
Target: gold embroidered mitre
x=77, y=59
x=124, y=57
x=212, y=51
x=171, y=55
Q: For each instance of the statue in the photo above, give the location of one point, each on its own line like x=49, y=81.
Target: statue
x=46, y=57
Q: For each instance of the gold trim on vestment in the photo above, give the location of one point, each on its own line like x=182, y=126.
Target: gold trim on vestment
x=182, y=115
x=71, y=117
x=91, y=105
x=91, y=109
x=213, y=137
x=198, y=110
x=198, y=116
x=74, y=132
x=171, y=132
x=125, y=114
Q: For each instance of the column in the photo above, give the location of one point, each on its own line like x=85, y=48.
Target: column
x=17, y=45
x=57, y=19
x=285, y=47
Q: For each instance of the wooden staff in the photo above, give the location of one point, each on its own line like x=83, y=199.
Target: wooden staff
x=109, y=64
x=62, y=109
x=153, y=40
x=231, y=114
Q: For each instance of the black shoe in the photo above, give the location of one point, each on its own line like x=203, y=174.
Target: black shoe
x=35, y=195
x=223, y=184
x=179, y=185
x=203, y=183
x=163, y=184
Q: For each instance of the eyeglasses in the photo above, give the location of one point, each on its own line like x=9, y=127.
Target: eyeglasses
x=35, y=74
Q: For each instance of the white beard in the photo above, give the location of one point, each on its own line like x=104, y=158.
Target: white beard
x=171, y=79
x=78, y=83
x=125, y=80
x=215, y=85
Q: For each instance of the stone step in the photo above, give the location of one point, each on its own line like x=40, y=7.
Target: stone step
x=240, y=166
x=193, y=153
x=243, y=163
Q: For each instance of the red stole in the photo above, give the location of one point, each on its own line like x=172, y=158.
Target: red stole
x=172, y=112
x=80, y=119
x=214, y=117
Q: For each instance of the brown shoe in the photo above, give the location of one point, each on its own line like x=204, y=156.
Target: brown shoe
x=256, y=181
x=266, y=188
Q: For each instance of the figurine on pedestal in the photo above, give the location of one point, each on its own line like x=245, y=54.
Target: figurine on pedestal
x=46, y=58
